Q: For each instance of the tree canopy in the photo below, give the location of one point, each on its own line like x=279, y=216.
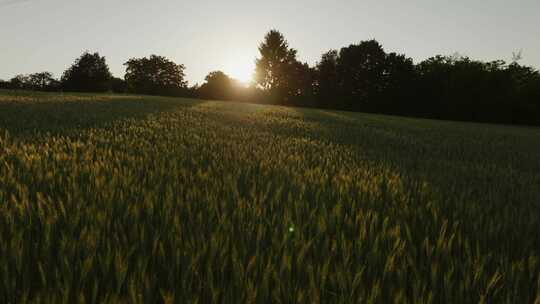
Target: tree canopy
x=219, y=85
x=278, y=72
x=89, y=73
x=42, y=81
x=154, y=75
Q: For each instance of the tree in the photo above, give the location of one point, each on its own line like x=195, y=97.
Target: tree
x=89, y=73
x=327, y=80
x=525, y=106
x=272, y=69
x=459, y=88
x=42, y=81
x=219, y=85
x=155, y=75
x=19, y=82
x=442, y=86
x=361, y=73
x=118, y=85
x=299, y=88
x=398, y=81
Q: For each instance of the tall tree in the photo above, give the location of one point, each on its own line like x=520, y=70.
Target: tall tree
x=275, y=62
x=526, y=92
x=89, y=73
x=398, y=82
x=361, y=69
x=327, y=80
x=299, y=88
x=155, y=75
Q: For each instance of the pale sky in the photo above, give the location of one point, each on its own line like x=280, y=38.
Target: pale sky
x=47, y=35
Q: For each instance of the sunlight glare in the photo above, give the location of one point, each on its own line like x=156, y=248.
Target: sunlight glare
x=241, y=68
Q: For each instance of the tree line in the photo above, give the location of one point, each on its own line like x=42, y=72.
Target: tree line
x=358, y=77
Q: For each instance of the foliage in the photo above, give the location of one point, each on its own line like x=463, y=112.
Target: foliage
x=326, y=81
x=363, y=77
x=89, y=73
x=43, y=81
x=219, y=85
x=19, y=82
x=155, y=75
x=278, y=72
x=120, y=199
x=301, y=84
x=361, y=70
x=275, y=55
x=119, y=85
x=463, y=89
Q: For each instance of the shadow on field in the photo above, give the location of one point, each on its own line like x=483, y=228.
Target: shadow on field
x=25, y=114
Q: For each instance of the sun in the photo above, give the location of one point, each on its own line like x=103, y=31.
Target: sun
x=241, y=71
x=240, y=67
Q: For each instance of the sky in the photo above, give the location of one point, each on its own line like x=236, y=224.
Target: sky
x=48, y=35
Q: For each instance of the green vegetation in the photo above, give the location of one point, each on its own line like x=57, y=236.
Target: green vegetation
x=145, y=199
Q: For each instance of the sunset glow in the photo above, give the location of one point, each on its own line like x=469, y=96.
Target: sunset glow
x=240, y=67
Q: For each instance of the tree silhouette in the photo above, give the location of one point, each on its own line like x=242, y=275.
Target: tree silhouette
x=361, y=73
x=525, y=81
x=327, y=81
x=271, y=69
x=118, y=85
x=89, y=73
x=219, y=85
x=398, y=85
x=19, y=82
x=155, y=75
x=459, y=88
x=299, y=87
x=363, y=77
x=42, y=81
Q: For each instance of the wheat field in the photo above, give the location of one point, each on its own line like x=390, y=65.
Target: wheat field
x=136, y=199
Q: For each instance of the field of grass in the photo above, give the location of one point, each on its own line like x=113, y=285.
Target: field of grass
x=146, y=200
